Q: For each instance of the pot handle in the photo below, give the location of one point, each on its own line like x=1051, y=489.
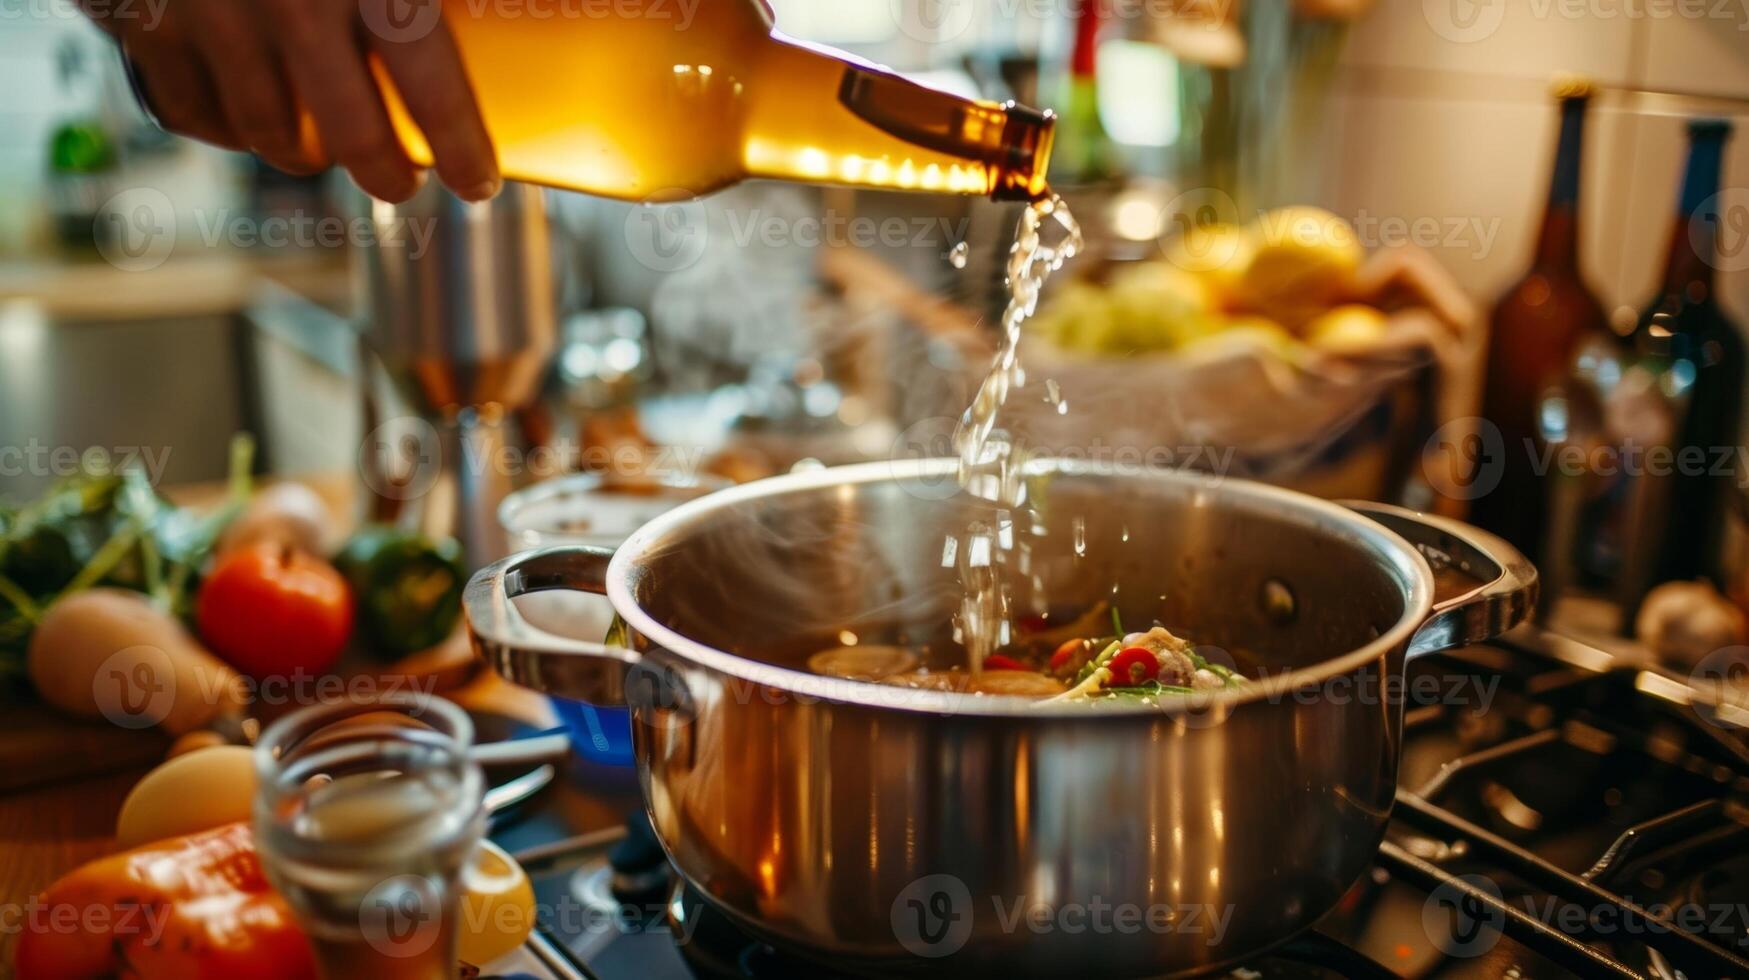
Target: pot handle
x=1498, y=587
x=530, y=656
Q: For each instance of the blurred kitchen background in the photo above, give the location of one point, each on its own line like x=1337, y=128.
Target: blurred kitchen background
x=1428, y=126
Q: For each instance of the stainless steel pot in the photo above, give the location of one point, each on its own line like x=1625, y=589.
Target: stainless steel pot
x=880, y=829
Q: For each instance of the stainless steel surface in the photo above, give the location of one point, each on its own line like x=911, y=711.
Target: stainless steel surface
x=518, y=790
x=1494, y=588
x=812, y=809
x=69, y=386
x=463, y=317
x=460, y=316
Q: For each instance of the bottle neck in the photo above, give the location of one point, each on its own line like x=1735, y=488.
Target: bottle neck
x=1084, y=59
x=1558, y=241
x=845, y=122
x=1691, y=268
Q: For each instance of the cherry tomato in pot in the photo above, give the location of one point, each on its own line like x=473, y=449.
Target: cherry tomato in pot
x=1133, y=667
x=1070, y=657
x=997, y=661
x=271, y=611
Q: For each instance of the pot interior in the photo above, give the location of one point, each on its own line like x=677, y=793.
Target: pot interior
x=775, y=573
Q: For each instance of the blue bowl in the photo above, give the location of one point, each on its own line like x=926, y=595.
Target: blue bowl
x=601, y=735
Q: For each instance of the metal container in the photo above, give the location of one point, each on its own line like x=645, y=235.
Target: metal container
x=460, y=316
x=876, y=828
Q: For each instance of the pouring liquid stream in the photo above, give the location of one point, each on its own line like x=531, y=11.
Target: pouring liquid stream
x=991, y=463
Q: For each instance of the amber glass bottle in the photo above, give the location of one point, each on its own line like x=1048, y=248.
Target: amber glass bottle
x=672, y=101
x=1532, y=336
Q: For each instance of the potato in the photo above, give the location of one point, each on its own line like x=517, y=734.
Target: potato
x=190, y=793
x=107, y=653
x=865, y=663
x=285, y=513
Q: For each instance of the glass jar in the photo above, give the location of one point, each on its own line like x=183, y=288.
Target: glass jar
x=365, y=815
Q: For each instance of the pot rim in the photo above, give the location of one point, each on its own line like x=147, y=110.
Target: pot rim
x=1410, y=567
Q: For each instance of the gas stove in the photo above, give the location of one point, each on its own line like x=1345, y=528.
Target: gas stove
x=1558, y=815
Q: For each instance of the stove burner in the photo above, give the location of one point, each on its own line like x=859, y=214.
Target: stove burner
x=720, y=951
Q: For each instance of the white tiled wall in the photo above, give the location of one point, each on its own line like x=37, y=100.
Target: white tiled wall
x=1445, y=114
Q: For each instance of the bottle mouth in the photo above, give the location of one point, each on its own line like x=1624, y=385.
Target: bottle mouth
x=1024, y=157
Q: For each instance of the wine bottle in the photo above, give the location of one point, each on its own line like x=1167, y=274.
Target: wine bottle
x=652, y=108
x=1699, y=352
x=1533, y=333
x=1084, y=150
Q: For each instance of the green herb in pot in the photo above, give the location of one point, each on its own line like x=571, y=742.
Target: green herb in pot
x=408, y=588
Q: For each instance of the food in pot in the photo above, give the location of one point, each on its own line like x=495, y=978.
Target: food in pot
x=1132, y=666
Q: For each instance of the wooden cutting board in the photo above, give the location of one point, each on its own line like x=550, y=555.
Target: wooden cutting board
x=40, y=746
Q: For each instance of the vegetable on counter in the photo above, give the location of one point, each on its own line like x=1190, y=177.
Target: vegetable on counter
x=181, y=909
x=109, y=653
x=407, y=588
x=197, y=791
x=284, y=513
x=270, y=610
x=105, y=529
x=199, y=907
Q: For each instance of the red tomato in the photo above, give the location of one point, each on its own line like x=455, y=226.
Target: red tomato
x=1133, y=667
x=996, y=661
x=271, y=611
x=1069, y=658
